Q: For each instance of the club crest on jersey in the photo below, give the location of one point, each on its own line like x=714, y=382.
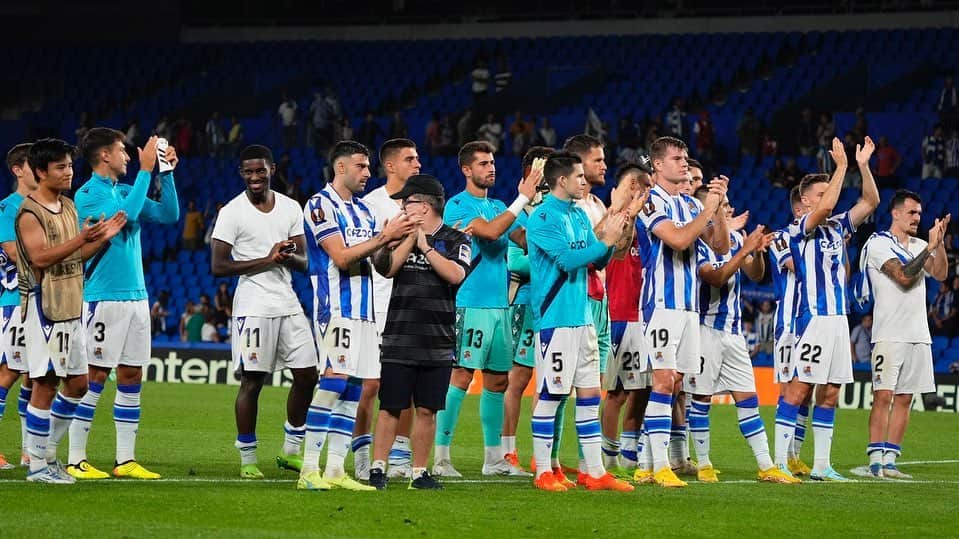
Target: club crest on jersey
x=317, y=215
x=466, y=253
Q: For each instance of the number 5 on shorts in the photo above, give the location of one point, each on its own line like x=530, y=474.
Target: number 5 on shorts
x=557, y=360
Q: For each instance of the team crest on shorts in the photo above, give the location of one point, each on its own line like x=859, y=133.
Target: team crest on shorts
x=659, y=356
x=877, y=379
x=692, y=381
x=522, y=352
x=785, y=371
x=630, y=376
x=16, y=355
x=341, y=360
x=807, y=370
x=557, y=381
x=63, y=362
x=98, y=352
x=253, y=357
x=467, y=354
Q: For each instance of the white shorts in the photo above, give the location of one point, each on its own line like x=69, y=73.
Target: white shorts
x=350, y=347
x=625, y=369
x=60, y=347
x=672, y=338
x=272, y=344
x=118, y=333
x=724, y=366
x=904, y=368
x=821, y=354
x=783, y=358
x=13, y=340
x=566, y=358
x=380, y=324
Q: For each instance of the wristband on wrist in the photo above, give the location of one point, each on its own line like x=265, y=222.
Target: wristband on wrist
x=518, y=205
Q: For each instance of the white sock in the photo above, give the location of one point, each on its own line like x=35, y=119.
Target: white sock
x=126, y=417
x=82, y=422
x=698, y=421
x=544, y=416
x=785, y=430
x=590, y=435
x=293, y=437
x=644, y=457
x=378, y=465
x=38, y=434
x=508, y=443
x=441, y=452
x=659, y=421
x=340, y=434
x=400, y=453
x=246, y=444
x=628, y=442
x=891, y=453
x=823, y=420
x=61, y=415
x=751, y=427
x=318, y=421
x=611, y=453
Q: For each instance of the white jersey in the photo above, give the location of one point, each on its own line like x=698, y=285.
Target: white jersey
x=594, y=208
x=384, y=208
x=784, y=282
x=252, y=233
x=899, y=315
x=719, y=308
x=671, y=280
x=819, y=258
x=340, y=293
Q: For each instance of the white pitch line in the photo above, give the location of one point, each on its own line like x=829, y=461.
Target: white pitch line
x=909, y=462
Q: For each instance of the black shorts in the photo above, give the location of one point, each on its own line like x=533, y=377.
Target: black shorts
x=424, y=386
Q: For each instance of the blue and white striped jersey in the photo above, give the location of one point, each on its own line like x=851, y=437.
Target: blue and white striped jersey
x=720, y=308
x=671, y=281
x=784, y=282
x=339, y=293
x=819, y=258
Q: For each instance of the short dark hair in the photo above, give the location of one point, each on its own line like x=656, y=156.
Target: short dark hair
x=694, y=163
x=256, y=151
x=622, y=171
x=901, y=196
x=701, y=193
x=795, y=196
x=48, y=150
x=17, y=155
x=97, y=139
x=657, y=150
x=534, y=153
x=581, y=144
x=346, y=148
x=811, y=179
x=394, y=145
x=559, y=164
x=469, y=150
x=436, y=202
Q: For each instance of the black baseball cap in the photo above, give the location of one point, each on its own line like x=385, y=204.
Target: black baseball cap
x=420, y=184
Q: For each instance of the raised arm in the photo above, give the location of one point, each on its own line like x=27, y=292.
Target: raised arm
x=719, y=276
x=827, y=204
x=387, y=262
x=870, y=193
x=492, y=230
x=167, y=211
x=344, y=257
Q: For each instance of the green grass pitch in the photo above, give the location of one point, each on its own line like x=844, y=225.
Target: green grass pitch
x=187, y=435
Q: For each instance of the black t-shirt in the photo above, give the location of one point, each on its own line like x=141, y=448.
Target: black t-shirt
x=422, y=312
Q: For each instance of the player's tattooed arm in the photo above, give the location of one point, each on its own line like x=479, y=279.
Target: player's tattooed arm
x=908, y=274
